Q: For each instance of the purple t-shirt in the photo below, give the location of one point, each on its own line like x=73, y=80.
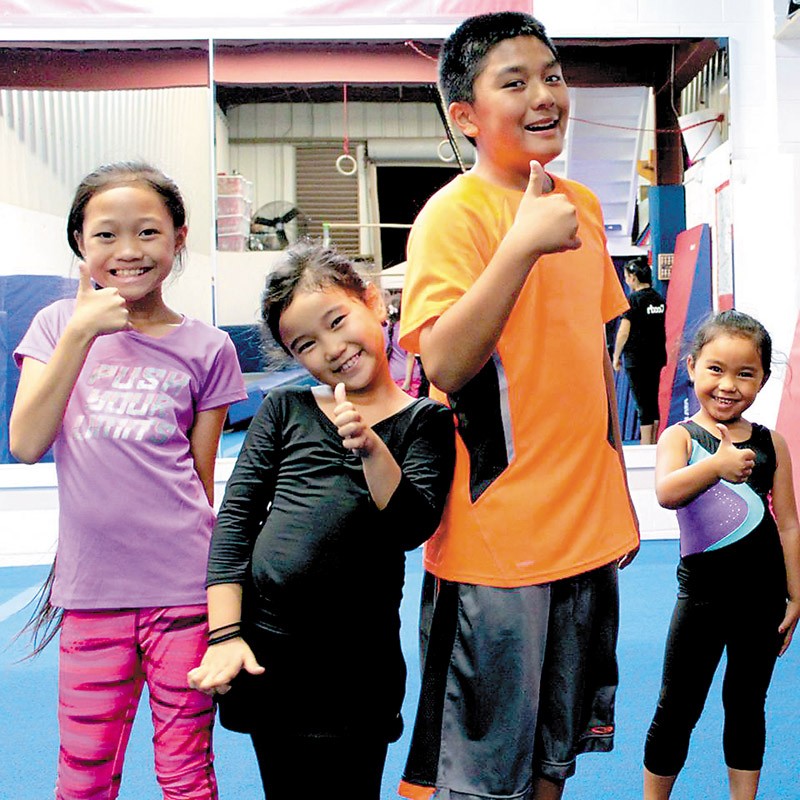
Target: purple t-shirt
x=134, y=520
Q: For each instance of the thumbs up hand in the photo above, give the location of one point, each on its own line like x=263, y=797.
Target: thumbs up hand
x=734, y=464
x=98, y=311
x=356, y=434
x=545, y=223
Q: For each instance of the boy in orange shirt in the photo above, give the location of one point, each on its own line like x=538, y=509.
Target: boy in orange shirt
x=508, y=287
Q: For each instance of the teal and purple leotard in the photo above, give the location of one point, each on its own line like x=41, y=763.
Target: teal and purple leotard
x=727, y=512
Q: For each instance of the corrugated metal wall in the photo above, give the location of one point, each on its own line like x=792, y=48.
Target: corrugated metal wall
x=289, y=151
x=263, y=136
x=281, y=121
x=50, y=139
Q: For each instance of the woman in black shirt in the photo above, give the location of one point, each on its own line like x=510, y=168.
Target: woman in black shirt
x=641, y=339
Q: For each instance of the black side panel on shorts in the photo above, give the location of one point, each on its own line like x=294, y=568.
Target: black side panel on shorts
x=482, y=411
x=423, y=758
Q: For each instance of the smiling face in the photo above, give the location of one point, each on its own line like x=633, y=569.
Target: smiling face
x=727, y=375
x=337, y=337
x=129, y=240
x=519, y=111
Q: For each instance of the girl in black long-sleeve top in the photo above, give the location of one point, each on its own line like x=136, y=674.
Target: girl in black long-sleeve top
x=334, y=483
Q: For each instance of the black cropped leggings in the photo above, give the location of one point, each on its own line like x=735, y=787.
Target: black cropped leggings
x=644, y=383
x=698, y=634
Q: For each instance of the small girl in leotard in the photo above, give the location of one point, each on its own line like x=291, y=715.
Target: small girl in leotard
x=739, y=575
x=334, y=483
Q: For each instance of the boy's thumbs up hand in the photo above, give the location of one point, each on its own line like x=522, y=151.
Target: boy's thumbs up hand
x=536, y=180
x=98, y=311
x=545, y=223
x=734, y=464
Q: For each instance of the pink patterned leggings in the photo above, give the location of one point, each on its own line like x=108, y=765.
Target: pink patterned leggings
x=105, y=659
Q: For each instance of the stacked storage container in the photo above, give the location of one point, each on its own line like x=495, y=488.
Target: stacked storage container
x=234, y=203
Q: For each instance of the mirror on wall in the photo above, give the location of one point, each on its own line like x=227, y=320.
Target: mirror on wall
x=345, y=141
x=331, y=140
x=66, y=108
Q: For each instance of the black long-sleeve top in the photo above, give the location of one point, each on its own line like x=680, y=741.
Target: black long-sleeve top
x=321, y=566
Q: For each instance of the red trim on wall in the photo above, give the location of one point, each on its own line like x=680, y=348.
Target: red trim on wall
x=44, y=67
x=725, y=302
x=368, y=63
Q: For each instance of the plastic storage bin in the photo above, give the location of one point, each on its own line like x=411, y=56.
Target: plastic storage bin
x=235, y=184
x=228, y=204
x=233, y=223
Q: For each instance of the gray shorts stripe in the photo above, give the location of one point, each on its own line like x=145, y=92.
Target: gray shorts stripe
x=482, y=729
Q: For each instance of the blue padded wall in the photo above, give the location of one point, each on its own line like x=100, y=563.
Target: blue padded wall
x=21, y=296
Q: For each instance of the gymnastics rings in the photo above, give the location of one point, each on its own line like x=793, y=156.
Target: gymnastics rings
x=346, y=164
x=440, y=151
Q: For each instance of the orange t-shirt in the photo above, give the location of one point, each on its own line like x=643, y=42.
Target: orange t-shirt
x=538, y=492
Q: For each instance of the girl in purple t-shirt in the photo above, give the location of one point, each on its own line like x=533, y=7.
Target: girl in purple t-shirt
x=132, y=396
x=404, y=367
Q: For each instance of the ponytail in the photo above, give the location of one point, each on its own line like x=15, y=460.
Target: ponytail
x=45, y=622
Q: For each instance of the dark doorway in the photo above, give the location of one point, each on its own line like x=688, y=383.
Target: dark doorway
x=402, y=191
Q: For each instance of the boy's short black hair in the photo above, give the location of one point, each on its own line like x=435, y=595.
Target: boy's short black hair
x=463, y=53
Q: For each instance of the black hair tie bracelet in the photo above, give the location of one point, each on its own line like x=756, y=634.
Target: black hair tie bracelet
x=225, y=637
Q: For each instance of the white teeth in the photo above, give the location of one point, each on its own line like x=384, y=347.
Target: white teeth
x=349, y=364
x=129, y=273
x=542, y=126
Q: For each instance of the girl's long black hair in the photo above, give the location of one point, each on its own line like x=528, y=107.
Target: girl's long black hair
x=45, y=622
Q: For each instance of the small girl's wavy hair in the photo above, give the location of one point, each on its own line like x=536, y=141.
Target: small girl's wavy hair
x=735, y=323
x=305, y=266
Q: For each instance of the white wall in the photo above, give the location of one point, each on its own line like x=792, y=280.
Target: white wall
x=29, y=536
x=241, y=278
